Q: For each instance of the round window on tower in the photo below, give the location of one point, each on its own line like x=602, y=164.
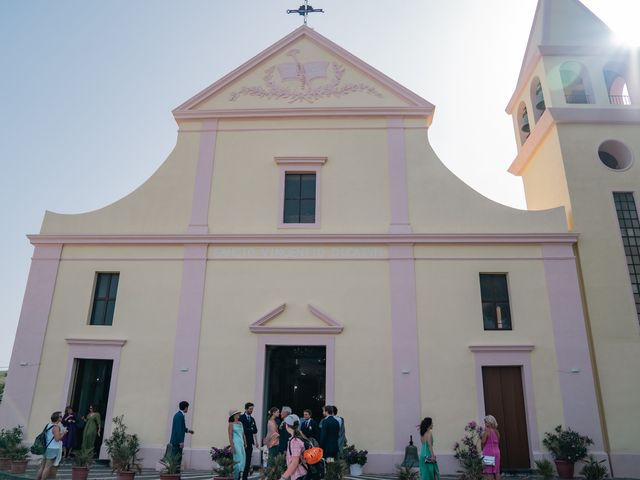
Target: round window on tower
x=615, y=155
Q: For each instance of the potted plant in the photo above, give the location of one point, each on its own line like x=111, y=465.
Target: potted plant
x=17, y=452
x=276, y=467
x=82, y=461
x=544, y=468
x=593, y=469
x=566, y=447
x=407, y=473
x=355, y=458
x=224, y=462
x=170, y=466
x=5, y=459
x=336, y=469
x=468, y=452
x=123, y=449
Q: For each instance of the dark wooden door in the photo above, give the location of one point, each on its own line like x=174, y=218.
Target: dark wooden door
x=504, y=399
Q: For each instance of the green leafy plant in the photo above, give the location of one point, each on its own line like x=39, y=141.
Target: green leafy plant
x=594, y=469
x=123, y=448
x=83, y=458
x=276, y=467
x=566, y=445
x=336, y=469
x=353, y=456
x=171, y=463
x=544, y=468
x=468, y=452
x=407, y=473
x=11, y=445
x=224, y=460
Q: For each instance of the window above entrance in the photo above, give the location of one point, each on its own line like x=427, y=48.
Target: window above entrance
x=299, y=191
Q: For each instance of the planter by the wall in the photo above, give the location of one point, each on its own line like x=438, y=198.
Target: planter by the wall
x=5, y=464
x=564, y=468
x=125, y=475
x=19, y=466
x=355, y=470
x=79, y=473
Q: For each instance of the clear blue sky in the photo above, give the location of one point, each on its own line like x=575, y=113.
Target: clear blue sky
x=87, y=89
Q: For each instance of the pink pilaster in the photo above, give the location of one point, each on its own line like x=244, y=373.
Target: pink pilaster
x=398, y=195
x=15, y=408
x=185, y=352
x=572, y=347
x=404, y=338
x=204, y=177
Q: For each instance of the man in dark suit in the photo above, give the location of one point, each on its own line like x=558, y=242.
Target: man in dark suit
x=250, y=434
x=178, y=431
x=329, y=433
x=309, y=427
x=282, y=430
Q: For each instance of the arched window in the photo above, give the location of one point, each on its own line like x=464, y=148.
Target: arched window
x=614, y=77
x=537, y=99
x=523, y=123
x=574, y=82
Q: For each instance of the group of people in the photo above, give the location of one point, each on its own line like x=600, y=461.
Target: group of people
x=283, y=428
x=490, y=443
x=61, y=437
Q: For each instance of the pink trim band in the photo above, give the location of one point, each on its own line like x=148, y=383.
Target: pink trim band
x=187, y=344
x=398, y=194
x=577, y=385
x=204, y=178
x=404, y=335
x=20, y=387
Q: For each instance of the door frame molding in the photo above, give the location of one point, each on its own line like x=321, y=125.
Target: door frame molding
x=327, y=341
x=509, y=356
x=94, y=349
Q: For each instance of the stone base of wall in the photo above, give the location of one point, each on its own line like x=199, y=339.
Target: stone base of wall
x=625, y=464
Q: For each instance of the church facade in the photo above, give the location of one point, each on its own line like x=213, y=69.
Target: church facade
x=303, y=245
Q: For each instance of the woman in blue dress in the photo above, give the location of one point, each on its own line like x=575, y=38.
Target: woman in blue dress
x=237, y=441
x=428, y=464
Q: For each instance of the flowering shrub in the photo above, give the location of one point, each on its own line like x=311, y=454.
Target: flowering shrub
x=224, y=459
x=354, y=456
x=468, y=452
x=566, y=444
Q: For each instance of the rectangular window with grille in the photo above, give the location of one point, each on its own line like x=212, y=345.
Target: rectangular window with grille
x=630, y=232
x=494, y=292
x=104, y=299
x=299, y=198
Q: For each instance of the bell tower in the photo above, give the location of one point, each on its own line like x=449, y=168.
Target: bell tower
x=576, y=116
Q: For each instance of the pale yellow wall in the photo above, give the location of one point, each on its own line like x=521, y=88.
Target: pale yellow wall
x=450, y=320
x=354, y=185
x=441, y=203
x=355, y=293
x=614, y=323
x=145, y=316
x=160, y=205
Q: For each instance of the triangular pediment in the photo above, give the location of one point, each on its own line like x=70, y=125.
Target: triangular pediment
x=266, y=323
x=304, y=72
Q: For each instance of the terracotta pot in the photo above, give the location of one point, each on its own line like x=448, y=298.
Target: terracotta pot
x=79, y=473
x=564, y=468
x=223, y=478
x=169, y=476
x=125, y=475
x=19, y=466
x=5, y=464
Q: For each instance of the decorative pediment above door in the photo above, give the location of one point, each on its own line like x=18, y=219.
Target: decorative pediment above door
x=329, y=325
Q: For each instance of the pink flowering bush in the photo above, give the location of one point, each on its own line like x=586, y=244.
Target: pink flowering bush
x=469, y=453
x=224, y=458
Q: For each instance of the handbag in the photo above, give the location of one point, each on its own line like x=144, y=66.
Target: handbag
x=430, y=460
x=488, y=460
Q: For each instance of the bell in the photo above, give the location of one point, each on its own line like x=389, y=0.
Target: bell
x=540, y=99
x=525, y=122
x=411, y=459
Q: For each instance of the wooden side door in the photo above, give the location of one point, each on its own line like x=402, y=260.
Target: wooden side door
x=504, y=399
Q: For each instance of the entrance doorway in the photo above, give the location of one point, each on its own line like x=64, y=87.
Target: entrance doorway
x=504, y=399
x=295, y=376
x=91, y=387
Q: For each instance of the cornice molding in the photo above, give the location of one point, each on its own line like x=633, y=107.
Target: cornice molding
x=308, y=239
x=501, y=348
x=331, y=326
x=96, y=342
x=300, y=160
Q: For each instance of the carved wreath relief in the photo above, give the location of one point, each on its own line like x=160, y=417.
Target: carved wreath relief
x=305, y=75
